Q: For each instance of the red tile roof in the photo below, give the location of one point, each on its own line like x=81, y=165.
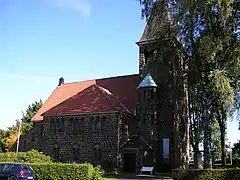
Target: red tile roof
x=123, y=88
x=92, y=99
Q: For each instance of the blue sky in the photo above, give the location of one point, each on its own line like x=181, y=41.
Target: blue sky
x=42, y=40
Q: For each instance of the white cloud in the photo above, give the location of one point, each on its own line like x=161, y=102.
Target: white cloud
x=82, y=6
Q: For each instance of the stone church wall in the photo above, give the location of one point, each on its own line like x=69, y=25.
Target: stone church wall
x=93, y=138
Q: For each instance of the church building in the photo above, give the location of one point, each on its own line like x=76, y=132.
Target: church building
x=123, y=122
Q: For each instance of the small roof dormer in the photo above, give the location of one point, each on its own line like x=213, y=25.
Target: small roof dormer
x=147, y=82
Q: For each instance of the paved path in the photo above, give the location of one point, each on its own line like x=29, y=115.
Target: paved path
x=140, y=176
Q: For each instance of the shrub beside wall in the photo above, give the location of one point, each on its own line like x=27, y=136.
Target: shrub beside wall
x=32, y=156
x=206, y=174
x=56, y=171
x=44, y=168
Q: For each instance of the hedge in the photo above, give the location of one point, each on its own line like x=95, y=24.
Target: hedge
x=32, y=156
x=206, y=174
x=56, y=171
x=44, y=168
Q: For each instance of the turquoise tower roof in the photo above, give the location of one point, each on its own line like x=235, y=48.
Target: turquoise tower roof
x=147, y=82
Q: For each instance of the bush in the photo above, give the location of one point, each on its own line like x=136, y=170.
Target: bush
x=98, y=173
x=32, y=156
x=206, y=174
x=44, y=168
x=56, y=171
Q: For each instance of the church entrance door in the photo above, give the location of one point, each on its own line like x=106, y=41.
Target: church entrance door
x=129, y=162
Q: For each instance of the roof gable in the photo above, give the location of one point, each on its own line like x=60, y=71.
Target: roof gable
x=60, y=94
x=135, y=142
x=122, y=87
x=92, y=99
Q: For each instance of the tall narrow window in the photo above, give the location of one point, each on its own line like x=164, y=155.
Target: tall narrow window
x=103, y=124
x=76, y=153
x=98, y=124
x=75, y=125
x=153, y=93
x=42, y=130
x=97, y=153
x=58, y=123
x=55, y=153
x=146, y=56
x=62, y=124
x=81, y=125
x=93, y=124
x=152, y=118
x=144, y=94
x=53, y=126
x=166, y=148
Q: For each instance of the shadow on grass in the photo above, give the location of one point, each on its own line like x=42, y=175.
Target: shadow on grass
x=136, y=176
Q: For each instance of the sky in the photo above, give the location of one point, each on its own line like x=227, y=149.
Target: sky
x=43, y=40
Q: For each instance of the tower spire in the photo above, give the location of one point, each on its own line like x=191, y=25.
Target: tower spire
x=159, y=19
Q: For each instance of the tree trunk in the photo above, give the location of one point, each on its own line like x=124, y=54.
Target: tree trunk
x=207, y=140
x=196, y=155
x=222, y=126
x=223, y=148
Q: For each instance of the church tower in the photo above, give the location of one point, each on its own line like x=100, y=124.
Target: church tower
x=147, y=101
x=147, y=116
x=163, y=100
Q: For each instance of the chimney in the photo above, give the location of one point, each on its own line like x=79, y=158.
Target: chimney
x=61, y=81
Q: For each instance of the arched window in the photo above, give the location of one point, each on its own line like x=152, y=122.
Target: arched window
x=75, y=125
x=62, y=124
x=55, y=153
x=144, y=94
x=98, y=124
x=153, y=93
x=103, y=124
x=42, y=130
x=75, y=153
x=93, y=124
x=53, y=126
x=81, y=125
x=97, y=153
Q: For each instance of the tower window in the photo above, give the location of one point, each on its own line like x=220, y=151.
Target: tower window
x=152, y=93
x=144, y=94
x=144, y=118
x=152, y=119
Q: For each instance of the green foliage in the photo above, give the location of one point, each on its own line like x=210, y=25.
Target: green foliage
x=236, y=150
x=207, y=174
x=8, y=137
x=44, y=168
x=209, y=34
x=28, y=115
x=56, y=171
x=98, y=173
x=32, y=156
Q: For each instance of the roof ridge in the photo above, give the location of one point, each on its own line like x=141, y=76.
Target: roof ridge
x=101, y=78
